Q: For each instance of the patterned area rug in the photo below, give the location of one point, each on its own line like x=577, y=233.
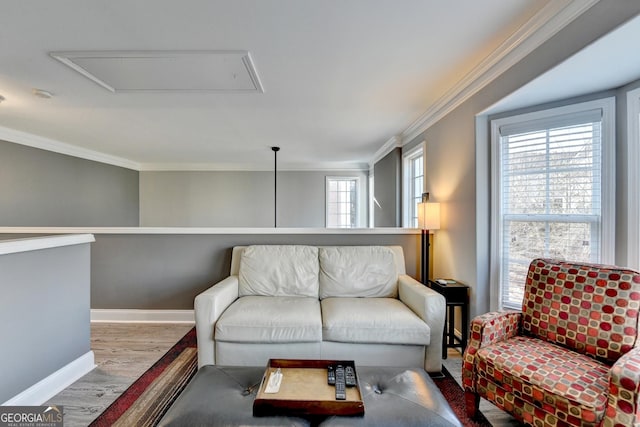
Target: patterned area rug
x=454, y=395
x=150, y=396
x=146, y=401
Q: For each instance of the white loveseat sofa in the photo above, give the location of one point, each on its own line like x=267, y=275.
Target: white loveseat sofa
x=305, y=302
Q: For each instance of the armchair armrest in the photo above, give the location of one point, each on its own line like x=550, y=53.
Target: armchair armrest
x=623, y=407
x=208, y=306
x=430, y=306
x=487, y=329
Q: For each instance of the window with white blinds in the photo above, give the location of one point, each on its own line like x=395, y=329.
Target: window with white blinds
x=550, y=192
x=342, y=202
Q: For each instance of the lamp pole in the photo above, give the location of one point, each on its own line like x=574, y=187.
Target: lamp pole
x=425, y=258
x=424, y=274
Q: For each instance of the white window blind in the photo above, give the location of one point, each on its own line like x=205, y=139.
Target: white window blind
x=550, y=195
x=342, y=202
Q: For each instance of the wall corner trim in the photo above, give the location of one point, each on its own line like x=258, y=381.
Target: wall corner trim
x=48, y=387
x=141, y=316
x=392, y=143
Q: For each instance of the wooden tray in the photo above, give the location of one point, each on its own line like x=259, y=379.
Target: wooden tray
x=304, y=390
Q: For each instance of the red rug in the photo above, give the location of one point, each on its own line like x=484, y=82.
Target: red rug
x=146, y=401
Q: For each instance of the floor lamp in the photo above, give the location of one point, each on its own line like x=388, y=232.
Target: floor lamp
x=428, y=219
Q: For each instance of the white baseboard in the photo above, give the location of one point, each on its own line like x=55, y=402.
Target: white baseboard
x=45, y=389
x=141, y=316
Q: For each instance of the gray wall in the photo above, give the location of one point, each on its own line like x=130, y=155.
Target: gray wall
x=237, y=199
x=387, y=174
x=167, y=271
x=458, y=172
x=42, y=188
x=44, y=314
x=46, y=189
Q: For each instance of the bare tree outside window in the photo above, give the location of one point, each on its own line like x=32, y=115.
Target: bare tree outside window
x=551, y=207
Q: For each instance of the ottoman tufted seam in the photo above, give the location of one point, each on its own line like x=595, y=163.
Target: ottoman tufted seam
x=252, y=389
x=432, y=411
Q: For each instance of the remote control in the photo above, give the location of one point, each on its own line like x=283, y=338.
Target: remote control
x=350, y=376
x=331, y=375
x=341, y=392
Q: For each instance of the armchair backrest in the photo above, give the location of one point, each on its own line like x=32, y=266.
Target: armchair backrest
x=592, y=309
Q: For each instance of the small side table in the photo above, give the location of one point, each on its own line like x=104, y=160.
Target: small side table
x=457, y=295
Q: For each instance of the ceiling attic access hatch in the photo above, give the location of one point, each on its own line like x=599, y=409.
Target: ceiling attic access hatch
x=166, y=71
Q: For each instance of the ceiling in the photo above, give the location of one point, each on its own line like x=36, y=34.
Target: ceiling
x=341, y=78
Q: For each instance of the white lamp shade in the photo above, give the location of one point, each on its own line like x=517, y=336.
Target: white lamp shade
x=429, y=216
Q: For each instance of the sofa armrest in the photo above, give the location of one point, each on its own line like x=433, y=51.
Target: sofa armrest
x=623, y=407
x=430, y=306
x=487, y=329
x=208, y=307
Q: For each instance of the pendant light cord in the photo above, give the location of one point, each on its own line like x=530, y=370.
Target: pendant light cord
x=275, y=186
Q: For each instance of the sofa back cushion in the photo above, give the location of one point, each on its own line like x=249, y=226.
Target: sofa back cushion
x=358, y=271
x=592, y=309
x=274, y=270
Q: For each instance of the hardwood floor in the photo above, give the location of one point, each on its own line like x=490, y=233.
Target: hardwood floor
x=124, y=351
x=495, y=416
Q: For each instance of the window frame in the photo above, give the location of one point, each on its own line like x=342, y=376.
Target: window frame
x=607, y=236
x=371, y=198
x=633, y=190
x=357, y=198
x=408, y=183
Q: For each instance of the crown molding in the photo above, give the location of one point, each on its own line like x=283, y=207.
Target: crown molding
x=36, y=141
x=254, y=167
x=552, y=18
x=48, y=144
x=393, y=142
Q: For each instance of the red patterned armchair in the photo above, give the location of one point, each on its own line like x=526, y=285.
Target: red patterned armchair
x=570, y=358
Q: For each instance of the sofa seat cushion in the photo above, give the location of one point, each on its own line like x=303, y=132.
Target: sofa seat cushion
x=561, y=382
x=261, y=319
x=357, y=271
x=372, y=320
x=274, y=270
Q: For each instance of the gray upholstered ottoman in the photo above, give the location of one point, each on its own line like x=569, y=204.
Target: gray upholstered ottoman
x=398, y=397
x=223, y=396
